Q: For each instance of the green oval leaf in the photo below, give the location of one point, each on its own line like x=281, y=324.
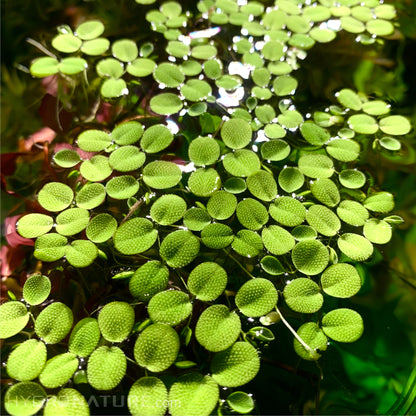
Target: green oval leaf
x=313, y=336
x=217, y=328
x=197, y=394
x=58, y=370
x=310, y=257
x=170, y=307
x=341, y=280
x=161, y=174
x=343, y=325
x=156, y=138
x=135, y=236
x=277, y=240
x=34, y=225
x=256, y=297
x=68, y=401
x=252, y=214
x=55, y=196
x=355, y=246
x=377, y=231
x=149, y=279
x=287, y=211
x=207, y=281
x=72, y=221
x=148, y=396
x=157, y=347
x=116, y=321
x=54, y=323
x=36, y=289
x=26, y=361
x=106, y=367
x=81, y=253
x=24, y=399
x=166, y=103
x=50, y=247
x=84, y=337
x=235, y=366
x=236, y=133
x=101, y=228
x=303, y=295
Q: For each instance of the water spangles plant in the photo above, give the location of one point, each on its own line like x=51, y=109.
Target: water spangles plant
x=263, y=208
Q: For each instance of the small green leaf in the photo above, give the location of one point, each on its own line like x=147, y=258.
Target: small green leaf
x=149, y=279
x=122, y=187
x=50, y=247
x=380, y=202
x=349, y=99
x=161, y=174
x=363, y=124
x=156, y=138
x=343, y=325
x=169, y=75
x=316, y=166
x=313, y=336
x=344, y=150
x=377, y=231
x=68, y=401
x=277, y=240
x=221, y=205
x=135, y=236
x=109, y=67
x=101, y=228
x=196, y=90
x=84, y=337
x=291, y=179
x=262, y=185
x=240, y=402
x=34, y=225
x=355, y=246
x=90, y=29
x=341, y=280
x=106, y=367
x=261, y=333
x=207, y=281
x=44, y=67
x=310, y=257
x=325, y=191
x=390, y=143
x=242, y=162
x=26, y=361
x=314, y=134
x=54, y=323
x=116, y=320
x=236, y=133
x=72, y=221
x=303, y=295
x=304, y=232
x=272, y=265
x=169, y=307
x=157, y=347
x=66, y=158
x=36, y=289
x=72, y=66
x=81, y=253
x=252, y=214
x=125, y=50
x=247, y=243
x=204, y=182
x=235, y=366
x=380, y=27
x=24, y=399
x=256, y=297
x=217, y=236
x=197, y=394
x=66, y=43
x=58, y=370
x=127, y=158
x=352, y=213
x=148, y=396
x=204, y=151
x=55, y=196
x=217, y=328
x=168, y=209
x=323, y=220
x=93, y=140
x=96, y=169
x=376, y=108
x=287, y=211
x=352, y=178
x=196, y=219
x=166, y=103
x=90, y=196
x=275, y=150
x=204, y=52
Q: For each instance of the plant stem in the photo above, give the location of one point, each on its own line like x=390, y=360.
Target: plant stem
x=241, y=266
x=311, y=351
